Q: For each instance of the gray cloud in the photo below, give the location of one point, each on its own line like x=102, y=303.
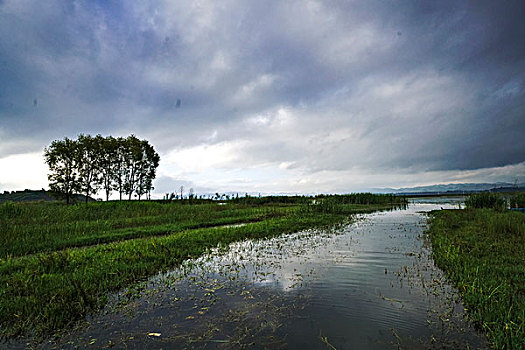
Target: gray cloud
x=310, y=86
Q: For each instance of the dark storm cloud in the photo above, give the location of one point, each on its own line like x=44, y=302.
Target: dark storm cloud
x=328, y=85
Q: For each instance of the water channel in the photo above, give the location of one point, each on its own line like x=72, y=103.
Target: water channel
x=370, y=284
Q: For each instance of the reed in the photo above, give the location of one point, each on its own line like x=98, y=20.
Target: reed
x=486, y=200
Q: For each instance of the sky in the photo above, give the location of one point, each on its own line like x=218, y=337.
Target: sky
x=270, y=96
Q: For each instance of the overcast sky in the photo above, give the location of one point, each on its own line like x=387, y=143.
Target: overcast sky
x=270, y=96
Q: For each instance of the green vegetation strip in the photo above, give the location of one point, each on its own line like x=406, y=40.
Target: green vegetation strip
x=44, y=227
x=48, y=288
x=483, y=253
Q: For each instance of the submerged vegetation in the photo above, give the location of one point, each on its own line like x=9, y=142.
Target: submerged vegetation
x=58, y=263
x=482, y=250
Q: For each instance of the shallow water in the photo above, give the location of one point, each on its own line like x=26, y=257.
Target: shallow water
x=368, y=285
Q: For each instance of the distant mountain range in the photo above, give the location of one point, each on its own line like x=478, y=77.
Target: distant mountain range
x=456, y=188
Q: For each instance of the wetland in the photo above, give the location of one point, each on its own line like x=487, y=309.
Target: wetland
x=357, y=277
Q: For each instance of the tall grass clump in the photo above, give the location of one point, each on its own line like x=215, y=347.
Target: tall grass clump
x=517, y=200
x=486, y=200
x=483, y=252
x=340, y=204
x=364, y=198
x=9, y=209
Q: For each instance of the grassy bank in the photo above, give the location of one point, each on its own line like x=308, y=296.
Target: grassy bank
x=483, y=253
x=58, y=263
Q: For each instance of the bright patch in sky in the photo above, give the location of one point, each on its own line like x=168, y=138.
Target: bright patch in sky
x=23, y=171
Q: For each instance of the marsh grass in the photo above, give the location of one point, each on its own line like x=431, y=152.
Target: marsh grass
x=59, y=263
x=517, y=200
x=486, y=200
x=483, y=253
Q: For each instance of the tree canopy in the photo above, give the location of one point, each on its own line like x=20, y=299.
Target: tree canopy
x=89, y=164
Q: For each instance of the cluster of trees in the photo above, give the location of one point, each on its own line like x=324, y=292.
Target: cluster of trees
x=90, y=164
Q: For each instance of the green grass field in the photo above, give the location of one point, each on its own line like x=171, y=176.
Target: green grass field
x=58, y=262
x=483, y=253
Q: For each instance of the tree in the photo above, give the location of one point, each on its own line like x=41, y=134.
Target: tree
x=152, y=164
x=109, y=163
x=146, y=170
x=140, y=164
x=91, y=163
x=120, y=166
x=191, y=195
x=132, y=159
x=88, y=163
x=61, y=158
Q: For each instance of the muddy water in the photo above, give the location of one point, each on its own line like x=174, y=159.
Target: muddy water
x=367, y=285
